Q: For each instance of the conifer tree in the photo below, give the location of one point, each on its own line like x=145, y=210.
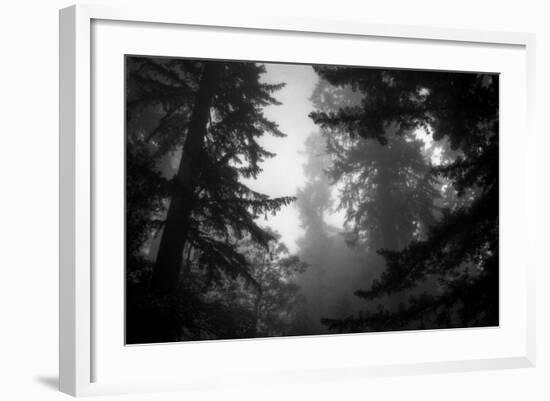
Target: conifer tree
x=460, y=249
x=277, y=296
x=385, y=190
x=208, y=114
x=335, y=268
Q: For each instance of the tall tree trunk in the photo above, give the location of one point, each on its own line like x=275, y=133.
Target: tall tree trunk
x=389, y=227
x=176, y=227
x=388, y=214
x=389, y=230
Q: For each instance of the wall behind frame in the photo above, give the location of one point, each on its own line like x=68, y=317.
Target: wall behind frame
x=29, y=170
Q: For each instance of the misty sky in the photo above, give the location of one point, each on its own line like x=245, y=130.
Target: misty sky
x=283, y=174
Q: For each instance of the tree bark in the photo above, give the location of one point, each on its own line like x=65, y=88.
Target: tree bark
x=389, y=228
x=388, y=214
x=176, y=227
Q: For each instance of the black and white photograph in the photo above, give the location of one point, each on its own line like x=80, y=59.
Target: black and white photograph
x=234, y=200
x=271, y=199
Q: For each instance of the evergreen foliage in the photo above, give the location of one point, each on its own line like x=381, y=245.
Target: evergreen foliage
x=459, y=250
x=210, y=114
x=335, y=269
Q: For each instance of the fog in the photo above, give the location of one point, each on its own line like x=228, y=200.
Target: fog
x=284, y=174
x=335, y=269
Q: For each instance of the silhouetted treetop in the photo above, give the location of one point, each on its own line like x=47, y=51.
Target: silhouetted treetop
x=208, y=116
x=459, y=106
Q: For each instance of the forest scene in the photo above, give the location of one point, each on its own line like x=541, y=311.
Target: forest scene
x=270, y=199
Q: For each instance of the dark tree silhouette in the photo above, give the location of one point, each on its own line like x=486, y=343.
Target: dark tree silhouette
x=460, y=250
x=220, y=146
x=176, y=226
x=210, y=114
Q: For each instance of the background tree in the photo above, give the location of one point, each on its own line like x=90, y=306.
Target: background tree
x=277, y=297
x=460, y=251
x=335, y=269
x=386, y=191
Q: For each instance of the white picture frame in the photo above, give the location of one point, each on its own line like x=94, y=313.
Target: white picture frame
x=78, y=316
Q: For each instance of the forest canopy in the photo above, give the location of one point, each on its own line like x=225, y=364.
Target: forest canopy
x=438, y=224
x=390, y=223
